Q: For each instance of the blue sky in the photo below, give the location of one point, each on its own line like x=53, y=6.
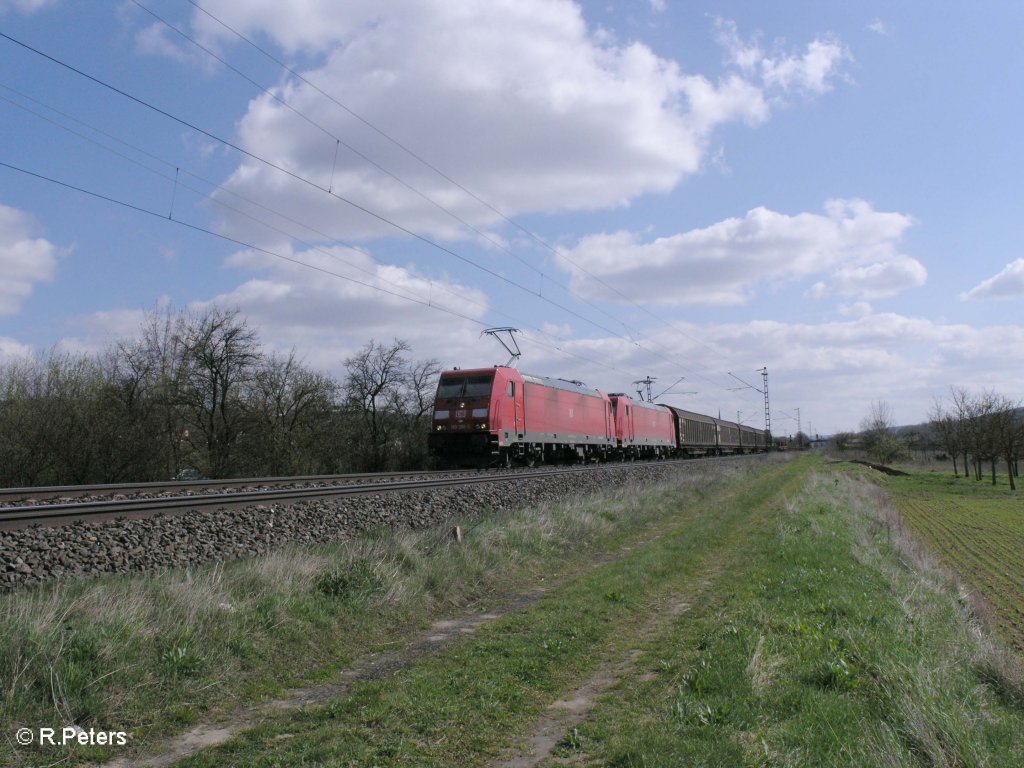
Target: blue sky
x=827, y=189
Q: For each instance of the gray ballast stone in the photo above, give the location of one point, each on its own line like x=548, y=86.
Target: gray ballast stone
x=40, y=553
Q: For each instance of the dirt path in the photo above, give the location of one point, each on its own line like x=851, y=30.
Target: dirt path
x=563, y=715
x=572, y=709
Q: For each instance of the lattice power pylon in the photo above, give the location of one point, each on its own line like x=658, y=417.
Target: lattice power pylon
x=767, y=410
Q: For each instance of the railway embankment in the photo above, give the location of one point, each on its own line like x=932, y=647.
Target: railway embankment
x=192, y=538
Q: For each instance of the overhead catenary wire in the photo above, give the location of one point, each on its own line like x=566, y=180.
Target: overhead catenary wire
x=489, y=206
x=319, y=187
x=298, y=177
x=252, y=246
x=226, y=238
x=399, y=292
x=190, y=188
x=302, y=179
x=338, y=142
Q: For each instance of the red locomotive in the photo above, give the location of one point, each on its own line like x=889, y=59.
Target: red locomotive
x=498, y=415
x=642, y=430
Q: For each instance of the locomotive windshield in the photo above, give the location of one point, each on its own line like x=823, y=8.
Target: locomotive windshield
x=464, y=386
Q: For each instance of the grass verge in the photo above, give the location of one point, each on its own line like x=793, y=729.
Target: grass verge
x=816, y=631
x=839, y=642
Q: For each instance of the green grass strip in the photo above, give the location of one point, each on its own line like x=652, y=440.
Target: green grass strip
x=828, y=647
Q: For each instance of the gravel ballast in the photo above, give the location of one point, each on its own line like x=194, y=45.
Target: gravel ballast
x=82, y=549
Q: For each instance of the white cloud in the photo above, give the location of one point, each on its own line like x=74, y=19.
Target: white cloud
x=320, y=313
x=94, y=333
x=810, y=72
x=723, y=264
x=328, y=316
x=103, y=326
x=745, y=54
x=1008, y=284
x=522, y=102
x=157, y=40
x=832, y=370
x=12, y=349
x=879, y=279
x=24, y=259
x=879, y=27
x=563, y=330
x=856, y=309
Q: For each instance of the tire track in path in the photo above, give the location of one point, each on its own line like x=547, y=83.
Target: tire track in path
x=570, y=710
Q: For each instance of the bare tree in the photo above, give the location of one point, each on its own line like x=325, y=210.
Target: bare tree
x=418, y=403
x=389, y=396
x=841, y=441
x=291, y=408
x=966, y=434
x=1007, y=434
x=26, y=457
x=58, y=421
x=373, y=390
x=146, y=376
x=220, y=354
x=880, y=442
x=944, y=426
x=984, y=429
x=196, y=390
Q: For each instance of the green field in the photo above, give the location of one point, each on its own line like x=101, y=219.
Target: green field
x=978, y=530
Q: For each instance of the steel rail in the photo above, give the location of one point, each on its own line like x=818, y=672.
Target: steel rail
x=21, y=516
x=8, y=495
x=62, y=513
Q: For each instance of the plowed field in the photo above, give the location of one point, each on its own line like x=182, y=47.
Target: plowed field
x=979, y=531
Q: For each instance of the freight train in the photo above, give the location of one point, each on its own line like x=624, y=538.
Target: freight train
x=500, y=416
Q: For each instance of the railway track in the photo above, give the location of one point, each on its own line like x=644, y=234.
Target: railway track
x=68, y=504
x=84, y=538
x=65, y=493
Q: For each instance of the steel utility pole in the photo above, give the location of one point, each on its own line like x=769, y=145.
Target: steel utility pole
x=763, y=391
x=767, y=410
